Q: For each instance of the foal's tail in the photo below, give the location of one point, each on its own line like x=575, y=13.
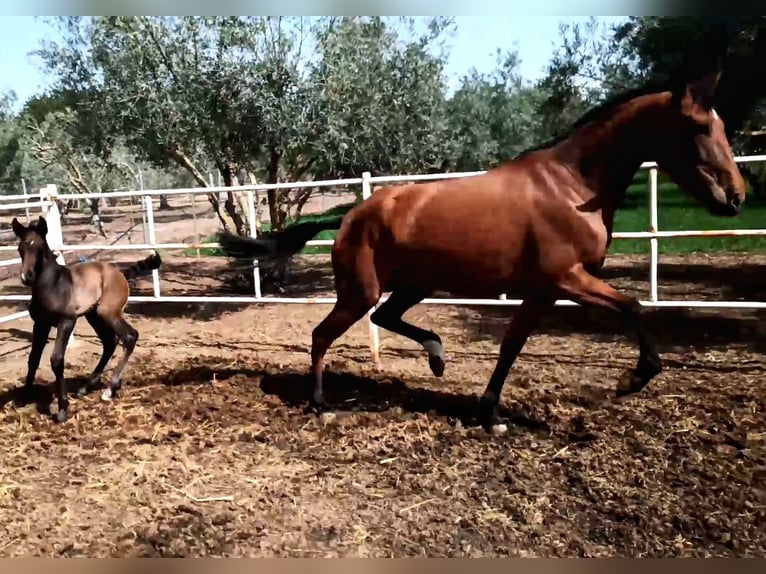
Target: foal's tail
x=277, y=245
x=143, y=267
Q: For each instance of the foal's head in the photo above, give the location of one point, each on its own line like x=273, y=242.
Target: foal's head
x=692, y=148
x=33, y=248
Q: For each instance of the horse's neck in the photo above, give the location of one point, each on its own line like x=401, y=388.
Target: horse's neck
x=50, y=273
x=609, y=153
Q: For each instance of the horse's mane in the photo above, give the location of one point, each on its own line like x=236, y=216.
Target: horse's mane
x=597, y=112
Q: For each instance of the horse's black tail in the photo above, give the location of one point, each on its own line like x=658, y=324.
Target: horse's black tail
x=276, y=245
x=143, y=267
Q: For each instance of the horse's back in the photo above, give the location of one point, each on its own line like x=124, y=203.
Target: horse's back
x=421, y=233
x=100, y=284
x=449, y=212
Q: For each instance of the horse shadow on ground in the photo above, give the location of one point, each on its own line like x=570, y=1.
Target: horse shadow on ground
x=44, y=393
x=351, y=393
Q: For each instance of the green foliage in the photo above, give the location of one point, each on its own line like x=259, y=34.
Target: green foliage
x=380, y=103
x=493, y=117
x=590, y=65
x=11, y=156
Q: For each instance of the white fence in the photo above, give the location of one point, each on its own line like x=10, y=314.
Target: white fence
x=366, y=182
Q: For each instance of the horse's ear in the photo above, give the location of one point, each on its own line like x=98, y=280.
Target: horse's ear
x=42, y=227
x=700, y=91
x=18, y=228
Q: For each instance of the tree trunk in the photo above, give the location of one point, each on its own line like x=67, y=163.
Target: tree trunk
x=182, y=160
x=272, y=194
x=228, y=170
x=164, y=205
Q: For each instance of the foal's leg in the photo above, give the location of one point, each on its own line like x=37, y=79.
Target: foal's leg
x=108, y=339
x=584, y=288
x=524, y=321
x=40, y=331
x=128, y=337
x=389, y=316
x=63, y=332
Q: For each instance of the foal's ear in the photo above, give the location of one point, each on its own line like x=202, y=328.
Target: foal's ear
x=42, y=227
x=18, y=228
x=700, y=92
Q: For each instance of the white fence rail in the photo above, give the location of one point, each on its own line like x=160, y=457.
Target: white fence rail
x=48, y=207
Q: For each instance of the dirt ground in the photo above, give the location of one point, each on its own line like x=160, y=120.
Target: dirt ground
x=210, y=451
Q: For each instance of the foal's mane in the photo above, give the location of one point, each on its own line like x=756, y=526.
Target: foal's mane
x=599, y=111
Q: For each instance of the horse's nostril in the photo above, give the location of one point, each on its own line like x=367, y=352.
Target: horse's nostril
x=735, y=201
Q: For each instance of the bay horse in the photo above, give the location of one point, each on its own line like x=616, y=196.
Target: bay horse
x=539, y=225
x=61, y=294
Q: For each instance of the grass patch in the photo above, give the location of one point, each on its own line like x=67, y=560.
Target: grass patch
x=677, y=211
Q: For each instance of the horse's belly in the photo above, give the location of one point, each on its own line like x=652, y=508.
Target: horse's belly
x=489, y=275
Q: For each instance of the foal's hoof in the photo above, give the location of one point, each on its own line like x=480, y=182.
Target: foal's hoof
x=82, y=391
x=437, y=365
x=108, y=394
x=61, y=416
x=24, y=396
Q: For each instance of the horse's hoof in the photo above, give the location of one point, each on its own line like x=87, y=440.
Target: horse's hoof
x=81, y=392
x=499, y=429
x=488, y=414
x=437, y=365
x=630, y=383
x=318, y=400
x=107, y=394
x=327, y=418
x=61, y=416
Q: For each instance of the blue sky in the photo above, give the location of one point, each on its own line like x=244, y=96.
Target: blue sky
x=474, y=45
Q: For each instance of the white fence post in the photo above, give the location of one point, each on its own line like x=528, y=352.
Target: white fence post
x=152, y=241
x=653, y=225
x=251, y=211
x=143, y=211
x=55, y=237
x=24, y=191
x=374, y=333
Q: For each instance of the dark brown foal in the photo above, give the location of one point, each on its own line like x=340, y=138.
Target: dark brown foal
x=60, y=295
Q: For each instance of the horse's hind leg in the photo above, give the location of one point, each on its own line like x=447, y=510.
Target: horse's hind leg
x=389, y=316
x=108, y=339
x=128, y=336
x=348, y=310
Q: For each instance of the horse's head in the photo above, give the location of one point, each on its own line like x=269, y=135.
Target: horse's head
x=33, y=248
x=692, y=148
